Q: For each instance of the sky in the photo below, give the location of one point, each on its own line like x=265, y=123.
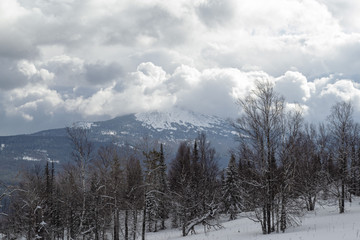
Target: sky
x=63, y=61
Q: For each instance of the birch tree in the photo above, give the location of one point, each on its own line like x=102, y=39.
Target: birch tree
x=260, y=129
x=340, y=125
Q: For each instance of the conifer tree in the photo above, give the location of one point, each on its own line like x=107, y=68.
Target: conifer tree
x=134, y=192
x=232, y=193
x=179, y=183
x=156, y=189
x=163, y=189
x=194, y=185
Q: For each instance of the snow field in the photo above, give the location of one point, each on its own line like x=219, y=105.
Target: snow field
x=325, y=223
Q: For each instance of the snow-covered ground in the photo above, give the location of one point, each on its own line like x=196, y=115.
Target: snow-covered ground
x=323, y=224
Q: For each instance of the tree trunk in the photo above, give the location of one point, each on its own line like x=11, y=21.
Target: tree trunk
x=163, y=223
x=268, y=217
x=342, y=198
x=96, y=225
x=283, y=215
x=126, y=225
x=283, y=219
x=116, y=224
x=264, y=221
x=29, y=230
x=143, y=224
x=273, y=216
x=184, y=229
x=134, y=229
x=311, y=203
x=277, y=217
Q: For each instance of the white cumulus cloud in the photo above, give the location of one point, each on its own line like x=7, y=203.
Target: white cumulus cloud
x=63, y=61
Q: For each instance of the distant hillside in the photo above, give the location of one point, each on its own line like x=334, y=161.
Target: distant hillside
x=169, y=127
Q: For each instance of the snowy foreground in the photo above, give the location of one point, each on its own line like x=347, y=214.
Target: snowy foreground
x=324, y=223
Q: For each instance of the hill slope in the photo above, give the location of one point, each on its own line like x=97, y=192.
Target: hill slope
x=169, y=127
x=325, y=223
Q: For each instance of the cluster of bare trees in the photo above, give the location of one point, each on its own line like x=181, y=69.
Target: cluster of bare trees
x=281, y=168
x=285, y=164
x=98, y=196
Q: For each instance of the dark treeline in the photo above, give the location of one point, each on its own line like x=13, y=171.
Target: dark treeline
x=281, y=168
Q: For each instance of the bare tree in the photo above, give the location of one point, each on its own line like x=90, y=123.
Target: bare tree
x=113, y=168
x=340, y=125
x=260, y=128
x=28, y=205
x=354, y=171
x=288, y=208
x=310, y=174
x=83, y=155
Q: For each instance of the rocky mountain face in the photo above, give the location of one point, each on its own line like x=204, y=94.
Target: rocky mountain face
x=169, y=128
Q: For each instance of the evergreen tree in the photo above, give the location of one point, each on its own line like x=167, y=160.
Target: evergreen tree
x=194, y=185
x=134, y=192
x=156, y=189
x=163, y=189
x=179, y=183
x=232, y=193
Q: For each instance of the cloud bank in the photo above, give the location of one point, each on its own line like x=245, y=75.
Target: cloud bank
x=64, y=61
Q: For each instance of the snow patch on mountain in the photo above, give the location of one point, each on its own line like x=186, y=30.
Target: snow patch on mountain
x=28, y=158
x=109, y=132
x=170, y=119
x=84, y=125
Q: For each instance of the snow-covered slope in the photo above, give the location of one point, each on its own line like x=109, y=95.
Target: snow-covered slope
x=168, y=119
x=323, y=224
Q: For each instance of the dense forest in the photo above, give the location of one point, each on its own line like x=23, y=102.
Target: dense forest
x=281, y=167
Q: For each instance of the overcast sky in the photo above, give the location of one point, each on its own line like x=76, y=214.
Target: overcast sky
x=63, y=61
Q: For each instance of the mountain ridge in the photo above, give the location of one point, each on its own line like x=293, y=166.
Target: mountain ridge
x=169, y=127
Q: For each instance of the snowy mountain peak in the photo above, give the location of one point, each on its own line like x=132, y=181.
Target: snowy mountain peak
x=169, y=119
